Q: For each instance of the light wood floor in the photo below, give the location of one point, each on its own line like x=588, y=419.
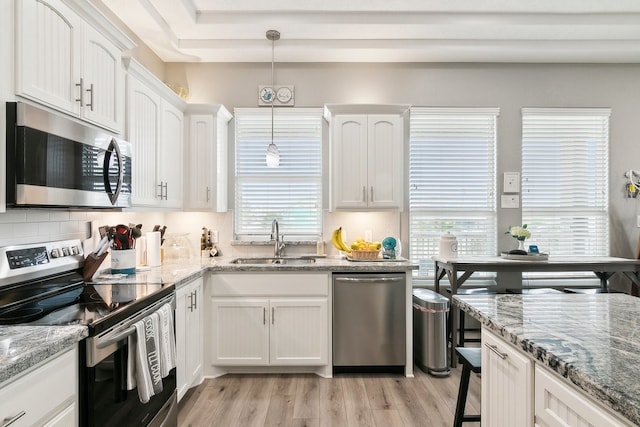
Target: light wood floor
x=380, y=400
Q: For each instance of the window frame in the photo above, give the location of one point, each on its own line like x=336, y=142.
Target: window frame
x=485, y=199
x=291, y=181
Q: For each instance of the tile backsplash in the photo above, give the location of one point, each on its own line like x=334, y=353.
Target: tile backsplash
x=20, y=226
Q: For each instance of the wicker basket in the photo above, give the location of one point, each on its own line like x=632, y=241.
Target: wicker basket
x=360, y=255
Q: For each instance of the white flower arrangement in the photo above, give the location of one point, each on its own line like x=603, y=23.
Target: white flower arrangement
x=519, y=232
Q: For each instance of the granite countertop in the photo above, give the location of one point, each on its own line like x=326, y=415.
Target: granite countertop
x=592, y=340
x=327, y=264
x=22, y=347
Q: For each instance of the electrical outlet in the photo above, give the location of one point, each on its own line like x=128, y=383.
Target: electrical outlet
x=509, y=201
x=638, y=221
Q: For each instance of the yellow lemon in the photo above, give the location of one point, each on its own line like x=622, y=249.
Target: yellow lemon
x=354, y=246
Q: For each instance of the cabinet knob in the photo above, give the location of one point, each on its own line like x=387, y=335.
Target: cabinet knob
x=371, y=194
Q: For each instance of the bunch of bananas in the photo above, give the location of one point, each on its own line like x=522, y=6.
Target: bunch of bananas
x=338, y=241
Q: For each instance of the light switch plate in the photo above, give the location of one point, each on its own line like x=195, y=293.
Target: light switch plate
x=511, y=182
x=509, y=201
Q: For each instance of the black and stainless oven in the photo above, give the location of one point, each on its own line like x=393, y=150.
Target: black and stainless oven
x=41, y=284
x=54, y=161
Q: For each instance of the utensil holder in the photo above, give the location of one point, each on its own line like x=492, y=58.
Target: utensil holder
x=91, y=264
x=123, y=261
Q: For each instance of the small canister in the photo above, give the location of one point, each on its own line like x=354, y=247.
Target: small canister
x=448, y=246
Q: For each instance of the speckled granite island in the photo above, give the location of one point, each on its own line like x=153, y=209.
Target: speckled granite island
x=591, y=340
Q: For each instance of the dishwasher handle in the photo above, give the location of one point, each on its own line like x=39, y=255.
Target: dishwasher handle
x=369, y=279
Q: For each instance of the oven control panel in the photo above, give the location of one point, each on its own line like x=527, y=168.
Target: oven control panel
x=39, y=259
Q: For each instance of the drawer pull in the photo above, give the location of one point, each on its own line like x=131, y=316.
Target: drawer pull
x=8, y=421
x=494, y=348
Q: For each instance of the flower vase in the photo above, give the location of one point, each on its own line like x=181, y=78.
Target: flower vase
x=521, y=245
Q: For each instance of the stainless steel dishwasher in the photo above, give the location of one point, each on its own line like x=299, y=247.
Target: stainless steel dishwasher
x=369, y=316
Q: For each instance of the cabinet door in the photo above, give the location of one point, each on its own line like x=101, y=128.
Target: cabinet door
x=558, y=404
x=194, y=333
x=385, y=161
x=170, y=151
x=48, y=56
x=202, y=162
x=349, y=162
x=67, y=417
x=103, y=81
x=46, y=395
x=299, y=331
x=188, y=335
x=507, y=384
x=143, y=130
x=240, y=331
x=182, y=306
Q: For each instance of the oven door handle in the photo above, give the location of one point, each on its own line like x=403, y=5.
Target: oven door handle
x=118, y=337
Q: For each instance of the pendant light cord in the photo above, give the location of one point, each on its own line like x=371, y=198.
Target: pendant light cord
x=273, y=43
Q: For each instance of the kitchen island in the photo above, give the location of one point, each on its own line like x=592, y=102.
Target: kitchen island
x=590, y=341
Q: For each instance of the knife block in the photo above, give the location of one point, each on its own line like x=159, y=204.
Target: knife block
x=91, y=264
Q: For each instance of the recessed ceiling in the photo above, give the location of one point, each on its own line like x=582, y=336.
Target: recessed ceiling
x=387, y=30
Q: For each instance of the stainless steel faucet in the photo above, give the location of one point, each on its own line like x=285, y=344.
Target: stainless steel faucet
x=275, y=235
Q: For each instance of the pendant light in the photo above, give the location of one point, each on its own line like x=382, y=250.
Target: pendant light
x=273, y=154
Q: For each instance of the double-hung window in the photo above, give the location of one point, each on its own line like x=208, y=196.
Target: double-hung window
x=452, y=175
x=290, y=193
x=565, y=179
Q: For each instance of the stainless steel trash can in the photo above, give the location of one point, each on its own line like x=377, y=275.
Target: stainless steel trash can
x=430, y=331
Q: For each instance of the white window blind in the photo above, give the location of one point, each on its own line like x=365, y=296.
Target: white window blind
x=452, y=175
x=290, y=193
x=565, y=179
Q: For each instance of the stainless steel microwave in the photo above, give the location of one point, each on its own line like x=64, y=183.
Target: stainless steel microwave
x=53, y=161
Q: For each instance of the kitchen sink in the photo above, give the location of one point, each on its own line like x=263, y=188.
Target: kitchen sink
x=275, y=261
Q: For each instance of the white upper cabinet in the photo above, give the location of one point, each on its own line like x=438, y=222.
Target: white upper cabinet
x=206, y=157
x=366, y=157
x=170, y=153
x=155, y=128
x=69, y=59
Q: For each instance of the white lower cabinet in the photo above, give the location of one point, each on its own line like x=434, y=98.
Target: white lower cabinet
x=189, y=335
x=48, y=395
x=557, y=404
x=269, y=320
x=507, y=384
x=518, y=392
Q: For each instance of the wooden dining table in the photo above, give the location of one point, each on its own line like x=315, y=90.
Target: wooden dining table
x=458, y=270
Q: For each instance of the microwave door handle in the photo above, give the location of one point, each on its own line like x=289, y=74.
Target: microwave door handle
x=113, y=195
